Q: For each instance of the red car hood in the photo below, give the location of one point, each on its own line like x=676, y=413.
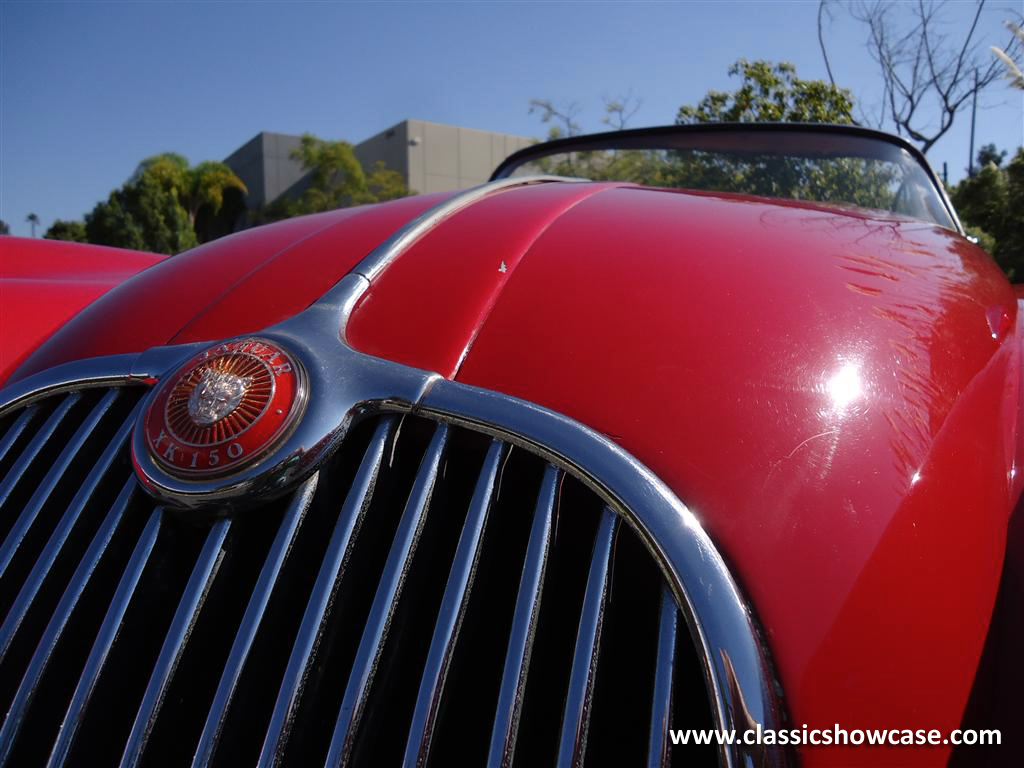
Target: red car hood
x=834, y=393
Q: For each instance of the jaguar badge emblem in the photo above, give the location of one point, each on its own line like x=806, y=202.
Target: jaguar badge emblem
x=224, y=409
x=216, y=395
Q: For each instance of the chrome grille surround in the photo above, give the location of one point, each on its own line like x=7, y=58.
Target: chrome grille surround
x=346, y=386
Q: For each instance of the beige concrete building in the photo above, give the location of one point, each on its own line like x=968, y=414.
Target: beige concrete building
x=438, y=158
x=430, y=157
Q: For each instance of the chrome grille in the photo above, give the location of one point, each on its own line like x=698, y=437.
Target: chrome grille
x=432, y=596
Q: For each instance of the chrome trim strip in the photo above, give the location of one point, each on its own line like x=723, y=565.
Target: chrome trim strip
x=452, y=610
x=378, y=623
x=55, y=474
x=203, y=574
x=381, y=256
x=41, y=568
x=55, y=628
x=279, y=551
x=524, y=624
x=92, y=372
x=28, y=455
x=664, y=672
x=14, y=432
x=104, y=641
x=332, y=568
x=578, y=699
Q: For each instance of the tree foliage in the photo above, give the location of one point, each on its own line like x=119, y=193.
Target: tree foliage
x=990, y=154
x=991, y=205
x=771, y=93
x=71, y=231
x=767, y=92
x=168, y=206
x=145, y=214
x=4, y=229
x=336, y=180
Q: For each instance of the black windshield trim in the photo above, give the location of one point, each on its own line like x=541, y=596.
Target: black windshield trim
x=608, y=140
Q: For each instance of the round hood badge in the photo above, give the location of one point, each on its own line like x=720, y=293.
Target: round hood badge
x=225, y=408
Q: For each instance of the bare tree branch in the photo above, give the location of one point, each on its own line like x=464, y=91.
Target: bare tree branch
x=821, y=40
x=928, y=78
x=619, y=111
x=563, y=118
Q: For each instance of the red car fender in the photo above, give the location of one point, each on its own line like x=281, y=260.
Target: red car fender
x=44, y=283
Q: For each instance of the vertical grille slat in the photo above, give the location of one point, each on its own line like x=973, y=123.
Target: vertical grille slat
x=42, y=494
x=385, y=601
x=105, y=640
x=453, y=608
x=53, y=546
x=664, y=668
x=434, y=593
x=31, y=451
x=15, y=430
x=55, y=627
x=331, y=570
x=185, y=616
x=524, y=624
x=573, y=740
x=252, y=619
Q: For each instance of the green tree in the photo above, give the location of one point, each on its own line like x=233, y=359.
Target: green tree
x=145, y=214
x=72, y=231
x=336, y=180
x=168, y=206
x=991, y=206
x=204, y=186
x=33, y=219
x=767, y=92
x=4, y=229
x=989, y=154
x=385, y=184
x=771, y=93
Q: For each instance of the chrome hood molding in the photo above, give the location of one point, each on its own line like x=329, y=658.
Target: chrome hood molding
x=344, y=384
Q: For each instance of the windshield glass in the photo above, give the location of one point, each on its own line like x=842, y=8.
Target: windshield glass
x=798, y=164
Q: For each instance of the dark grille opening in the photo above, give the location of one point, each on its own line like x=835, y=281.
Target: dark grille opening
x=55, y=686
x=468, y=706
x=689, y=711
x=49, y=543
x=509, y=616
x=260, y=682
x=576, y=518
x=620, y=718
x=44, y=441
x=192, y=688
x=395, y=688
x=119, y=688
x=18, y=430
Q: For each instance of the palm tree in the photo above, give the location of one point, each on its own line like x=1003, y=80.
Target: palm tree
x=203, y=185
x=33, y=219
x=207, y=183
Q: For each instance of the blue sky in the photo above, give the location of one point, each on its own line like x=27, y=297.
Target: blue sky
x=89, y=89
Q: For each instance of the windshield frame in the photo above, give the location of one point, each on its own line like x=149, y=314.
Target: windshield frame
x=641, y=138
